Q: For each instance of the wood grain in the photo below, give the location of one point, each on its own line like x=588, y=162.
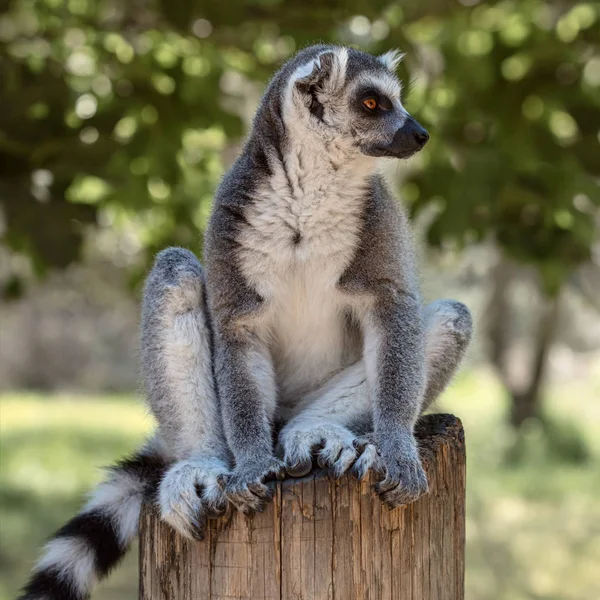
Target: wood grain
x=325, y=540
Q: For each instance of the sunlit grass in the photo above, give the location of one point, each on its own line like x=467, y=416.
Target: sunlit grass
x=533, y=530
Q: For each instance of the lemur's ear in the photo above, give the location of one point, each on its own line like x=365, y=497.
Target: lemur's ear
x=390, y=60
x=326, y=72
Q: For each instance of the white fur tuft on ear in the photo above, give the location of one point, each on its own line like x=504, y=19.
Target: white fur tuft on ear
x=329, y=67
x=390, y=60
x=307, y=69
x=338, y=68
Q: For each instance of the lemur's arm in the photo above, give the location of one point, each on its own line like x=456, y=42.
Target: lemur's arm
x=395, y=358
x=243, y=368
x=383, y=279
x=246, y=385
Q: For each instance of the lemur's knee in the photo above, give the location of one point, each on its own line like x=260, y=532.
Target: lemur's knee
x=448, y=321
x=448, y=326
x=176, y=278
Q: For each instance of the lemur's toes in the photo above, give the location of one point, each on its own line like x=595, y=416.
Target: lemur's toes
x=368, y=460
x=343, y=463
x=332, y=452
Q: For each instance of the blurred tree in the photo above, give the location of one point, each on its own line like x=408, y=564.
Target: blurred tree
x=116, y=113
x=512, y=92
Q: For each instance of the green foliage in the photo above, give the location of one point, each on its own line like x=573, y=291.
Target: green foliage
x=515, y=115
x=117, y=113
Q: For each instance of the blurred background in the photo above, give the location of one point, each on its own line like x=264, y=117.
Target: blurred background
x=117, y=119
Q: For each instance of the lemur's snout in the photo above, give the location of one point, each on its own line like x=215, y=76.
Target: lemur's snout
x=410, y=138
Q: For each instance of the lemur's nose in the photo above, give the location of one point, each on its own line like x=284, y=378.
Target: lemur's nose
x=412, y=136
x=421, y=134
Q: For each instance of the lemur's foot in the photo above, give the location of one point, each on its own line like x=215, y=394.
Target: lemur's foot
x=335, y=447
x=189, y=495
x=250, y=486
x=403, y=478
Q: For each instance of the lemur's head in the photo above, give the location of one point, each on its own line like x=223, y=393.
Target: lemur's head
x=352, y=98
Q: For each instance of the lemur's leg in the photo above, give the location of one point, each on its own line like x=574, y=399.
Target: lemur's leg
x=335, y=414
x=176, y=358
x=448, y=330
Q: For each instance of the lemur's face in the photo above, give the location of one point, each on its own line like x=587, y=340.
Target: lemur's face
x=353, y=98
x=378, y=120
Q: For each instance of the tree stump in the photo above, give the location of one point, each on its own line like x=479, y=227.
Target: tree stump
x=324, y=539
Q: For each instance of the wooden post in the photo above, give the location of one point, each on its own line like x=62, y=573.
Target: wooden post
x=323, y=539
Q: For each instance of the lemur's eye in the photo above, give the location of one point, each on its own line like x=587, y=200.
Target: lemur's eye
x=370, y=103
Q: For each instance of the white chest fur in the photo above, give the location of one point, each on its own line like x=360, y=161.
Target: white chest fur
x=303, y=232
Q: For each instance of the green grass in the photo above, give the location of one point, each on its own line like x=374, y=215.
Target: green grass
x=533, y=530
x=51, y=448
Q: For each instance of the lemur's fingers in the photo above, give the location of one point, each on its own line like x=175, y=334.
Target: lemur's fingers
x=251, y=486
x=263, y=491
x=249, y=498
x=396, y=497
x=405, y=482
x=277, y=473
x=299, y=458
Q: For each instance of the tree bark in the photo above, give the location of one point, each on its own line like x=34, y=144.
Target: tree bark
x=525, y=395
x=526, y=403
x=324, y=539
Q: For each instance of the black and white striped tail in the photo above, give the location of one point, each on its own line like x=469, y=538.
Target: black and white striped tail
x=85, y=549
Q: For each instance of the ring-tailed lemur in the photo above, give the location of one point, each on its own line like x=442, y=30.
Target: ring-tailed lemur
x=304, y=335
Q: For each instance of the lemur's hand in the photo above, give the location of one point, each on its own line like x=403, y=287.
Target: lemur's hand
x=250, y=485
x=189, y=495
x=403, y=478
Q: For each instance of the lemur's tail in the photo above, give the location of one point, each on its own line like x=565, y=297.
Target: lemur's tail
x=85, y=549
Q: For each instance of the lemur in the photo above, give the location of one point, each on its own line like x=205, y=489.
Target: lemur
x=302, y=337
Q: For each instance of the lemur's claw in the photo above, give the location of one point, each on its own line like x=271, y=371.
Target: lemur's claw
x=198, y=530
x=300, y=468
x=222, y=480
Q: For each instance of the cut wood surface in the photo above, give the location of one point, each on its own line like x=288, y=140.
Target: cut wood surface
x=324, y=539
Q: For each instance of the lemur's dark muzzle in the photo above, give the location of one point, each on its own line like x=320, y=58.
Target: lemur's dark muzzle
x=410, y=138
